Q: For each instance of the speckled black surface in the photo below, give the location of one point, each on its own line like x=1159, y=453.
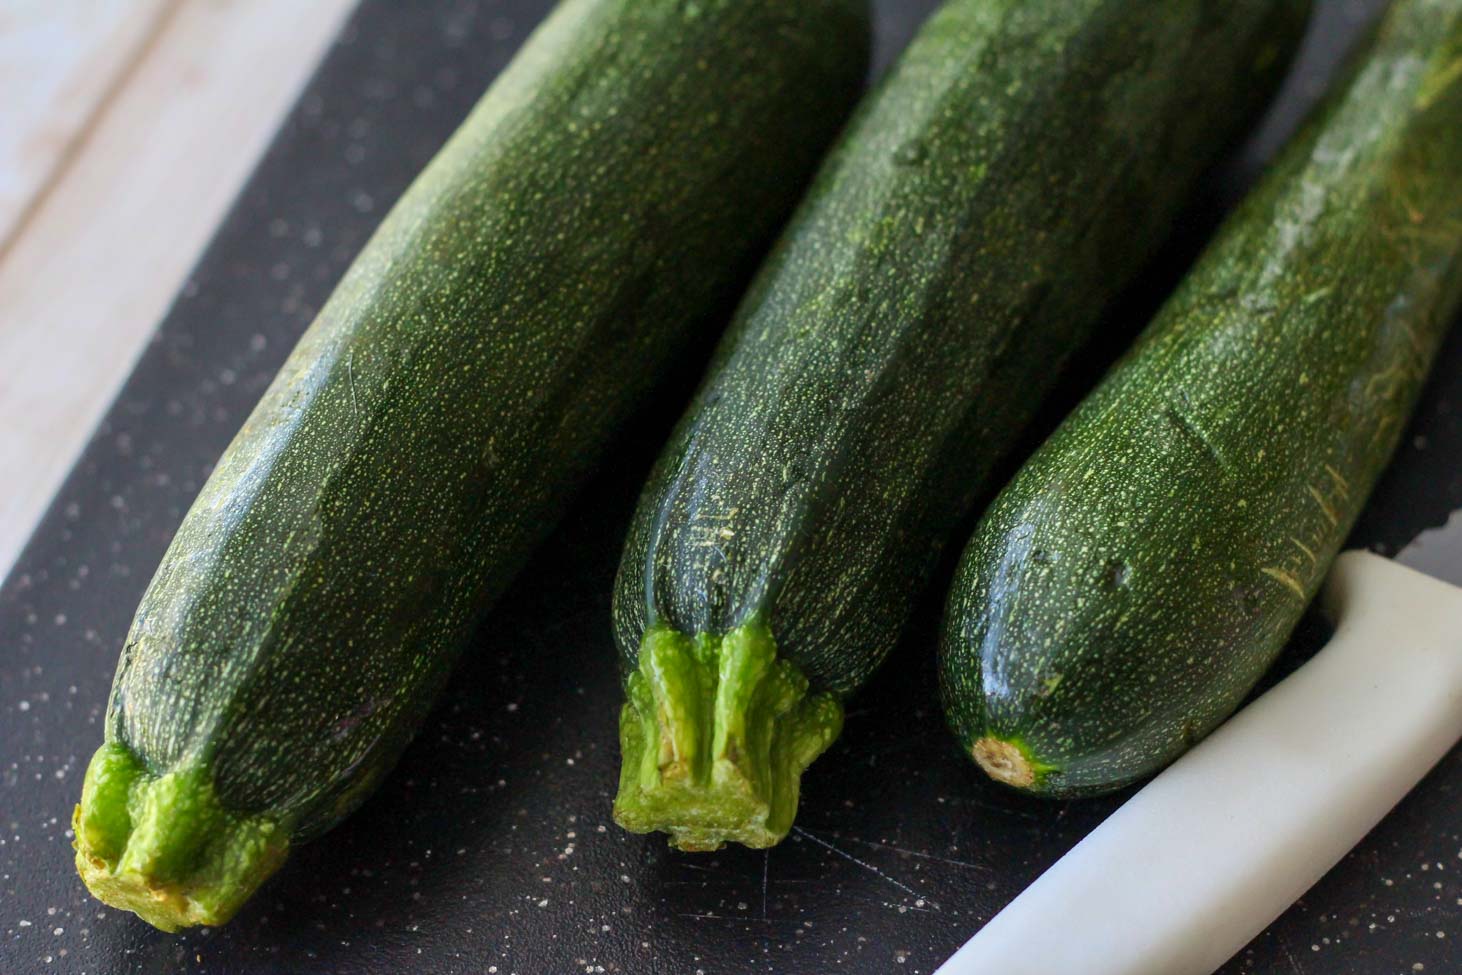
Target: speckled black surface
x=491, y=849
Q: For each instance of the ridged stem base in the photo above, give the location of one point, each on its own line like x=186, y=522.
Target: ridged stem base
x=715, y=735
x=162, y=847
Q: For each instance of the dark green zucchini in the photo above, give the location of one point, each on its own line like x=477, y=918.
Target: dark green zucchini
x=1139, y=575
x=1020, y=162
x=599, y=207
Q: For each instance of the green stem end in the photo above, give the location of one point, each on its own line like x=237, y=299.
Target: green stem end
x=715, y=735
x=163, y=847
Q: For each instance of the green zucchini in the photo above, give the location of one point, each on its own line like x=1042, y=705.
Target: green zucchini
x=1021, y=161
x=1143, y=570
x=600, y=206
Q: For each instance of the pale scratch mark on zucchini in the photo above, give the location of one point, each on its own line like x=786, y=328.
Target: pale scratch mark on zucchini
x=1341, y=484
x=1437, y=85
x=1286, y=580
x=1325, y=507
x=350, y=376
x=1385, y=385
x=1309, y=553
x=1413, y=340
x=1413, y=214
x=719, y=530
x=1419, y=232
x=1383, y=428
x=1195, y=435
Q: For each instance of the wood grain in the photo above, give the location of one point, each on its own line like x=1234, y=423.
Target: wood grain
x=103, y=252
x=59, y=63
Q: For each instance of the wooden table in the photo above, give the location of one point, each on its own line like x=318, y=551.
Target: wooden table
x=127, y=127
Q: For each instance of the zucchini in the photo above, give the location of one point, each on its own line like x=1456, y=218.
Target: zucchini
x=1021, y=161
x=599, y=207
x=1143, y=570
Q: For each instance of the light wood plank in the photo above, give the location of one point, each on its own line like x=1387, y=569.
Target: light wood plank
x=59, y=61
x=101, y=257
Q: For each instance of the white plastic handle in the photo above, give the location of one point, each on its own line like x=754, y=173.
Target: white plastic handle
x=1216, y=847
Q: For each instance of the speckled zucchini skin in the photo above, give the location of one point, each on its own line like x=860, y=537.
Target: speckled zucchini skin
x=596, y=210
x=1019, y=164
x=1134, y=581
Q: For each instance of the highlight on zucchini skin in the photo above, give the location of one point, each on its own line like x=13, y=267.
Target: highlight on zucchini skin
x=952, y=254
x=1131, y=585
x=602, y=204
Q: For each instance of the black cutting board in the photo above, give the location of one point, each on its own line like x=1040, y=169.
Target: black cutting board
x=491, y=849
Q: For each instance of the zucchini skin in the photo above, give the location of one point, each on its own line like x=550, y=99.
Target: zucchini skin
x=1131, y=585
x=952, y=254
x=597, y=210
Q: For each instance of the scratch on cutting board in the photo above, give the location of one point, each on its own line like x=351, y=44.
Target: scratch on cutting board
x=911, y=907
x=766, y=866
x=693, y=866
x=915, y=853
x=1289, y=956
x=864, y=864
x=1003, y=810
x=743, y=919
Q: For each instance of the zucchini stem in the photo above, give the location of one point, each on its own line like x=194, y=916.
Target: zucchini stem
x=163, y=847
x=715, y=734
x=1008, y=762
